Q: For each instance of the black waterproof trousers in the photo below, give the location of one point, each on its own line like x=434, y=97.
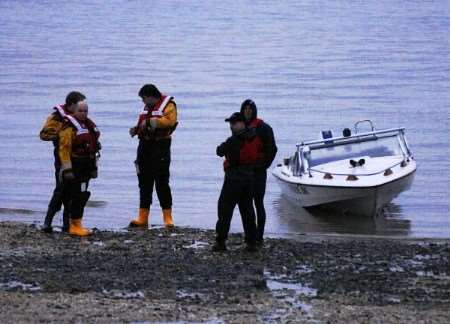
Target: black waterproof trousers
x=76, y=196
x=259, y=192
x=76, y=193
x=237, y=189
x=152, y=167
x=57, y=198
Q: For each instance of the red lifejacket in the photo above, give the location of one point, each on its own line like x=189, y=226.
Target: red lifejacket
x=157, y=111
x=251, y=151
x=256, y=153
x=61, y=110
x=255, y=123
x=85, y=143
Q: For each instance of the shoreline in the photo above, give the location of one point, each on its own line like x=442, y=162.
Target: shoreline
x=157, y=276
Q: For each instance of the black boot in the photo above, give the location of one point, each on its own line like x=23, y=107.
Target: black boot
x=251, y=247
x=219, y=246
x=66, y=220
x=47, y=227
x=260, y=242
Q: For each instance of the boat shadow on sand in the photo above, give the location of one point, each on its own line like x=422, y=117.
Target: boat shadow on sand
x=389, y=221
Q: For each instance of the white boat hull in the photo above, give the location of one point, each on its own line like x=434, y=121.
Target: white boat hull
x=367, y=201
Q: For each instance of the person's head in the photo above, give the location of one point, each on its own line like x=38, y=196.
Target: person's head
x=150, y=95
x=81, y=110
x=237, y=122
x=72, y=100
x=249, y=110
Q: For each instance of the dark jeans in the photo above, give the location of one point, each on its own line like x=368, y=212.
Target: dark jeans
x=237, y=189
x=153, y=170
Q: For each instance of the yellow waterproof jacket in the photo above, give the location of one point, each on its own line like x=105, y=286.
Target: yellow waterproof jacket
x=66, y=138
x=163, y=126
x=51, y=128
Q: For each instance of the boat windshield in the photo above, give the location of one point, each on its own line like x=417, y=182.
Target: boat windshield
x=379, y=147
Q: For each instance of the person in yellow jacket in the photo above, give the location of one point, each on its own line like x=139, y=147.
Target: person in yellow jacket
x=50, y=132
x=154, y=129
x=78, y=151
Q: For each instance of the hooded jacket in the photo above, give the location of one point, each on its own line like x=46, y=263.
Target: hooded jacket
x=264, y=132
x=243, y=149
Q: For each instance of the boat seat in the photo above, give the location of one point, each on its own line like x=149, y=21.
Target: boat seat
x=327, y=134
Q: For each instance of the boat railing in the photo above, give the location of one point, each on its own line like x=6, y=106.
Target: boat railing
x=300, y=164
x=364, y=121
x=334, y=141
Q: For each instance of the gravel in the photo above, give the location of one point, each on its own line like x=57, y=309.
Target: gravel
x=140, y=276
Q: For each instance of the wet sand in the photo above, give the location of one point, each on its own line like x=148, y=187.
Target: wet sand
x=156, y=276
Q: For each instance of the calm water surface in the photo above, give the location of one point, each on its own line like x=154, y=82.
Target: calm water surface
x=309, y=65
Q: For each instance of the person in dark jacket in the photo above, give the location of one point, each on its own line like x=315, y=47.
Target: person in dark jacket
x=241, y=153
x=269, y=151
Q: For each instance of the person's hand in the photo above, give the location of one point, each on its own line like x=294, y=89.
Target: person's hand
x=142, y=126
x=133, y=131
x=94, y=174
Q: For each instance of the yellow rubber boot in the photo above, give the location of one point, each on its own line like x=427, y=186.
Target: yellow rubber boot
x=142, y=219
x=167, y=215
x=75, y=228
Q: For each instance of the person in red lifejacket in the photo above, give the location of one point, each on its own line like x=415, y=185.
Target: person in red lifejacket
x=78, y=153
x=154, y=129
x=265, y=159
x=50, y=132
x=242, y=152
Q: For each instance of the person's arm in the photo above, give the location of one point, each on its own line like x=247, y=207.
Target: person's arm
x=167, y=120
x=231, y=149
x=66, y=136
x=50, y=129
x=269, y=146
x=231, y=145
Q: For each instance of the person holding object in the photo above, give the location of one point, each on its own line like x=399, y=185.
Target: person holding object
x=154, y=129
x=78, y=151
x=50, y=132
x=269, y=151
x=241, y=152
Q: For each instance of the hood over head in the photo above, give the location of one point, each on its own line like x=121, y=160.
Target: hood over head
x=250, y=103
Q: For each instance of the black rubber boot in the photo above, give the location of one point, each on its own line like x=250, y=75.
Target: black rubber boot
x=260, y=242
x=219, y=246
x=251, y=247
x=66, y=220
x=47, y=227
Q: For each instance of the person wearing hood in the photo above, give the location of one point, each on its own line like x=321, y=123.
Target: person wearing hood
x=49, y=132
x=269, y=151
x=241, y=152
x=78, y=152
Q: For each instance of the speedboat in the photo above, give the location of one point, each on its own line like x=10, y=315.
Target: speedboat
x=356, y=173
